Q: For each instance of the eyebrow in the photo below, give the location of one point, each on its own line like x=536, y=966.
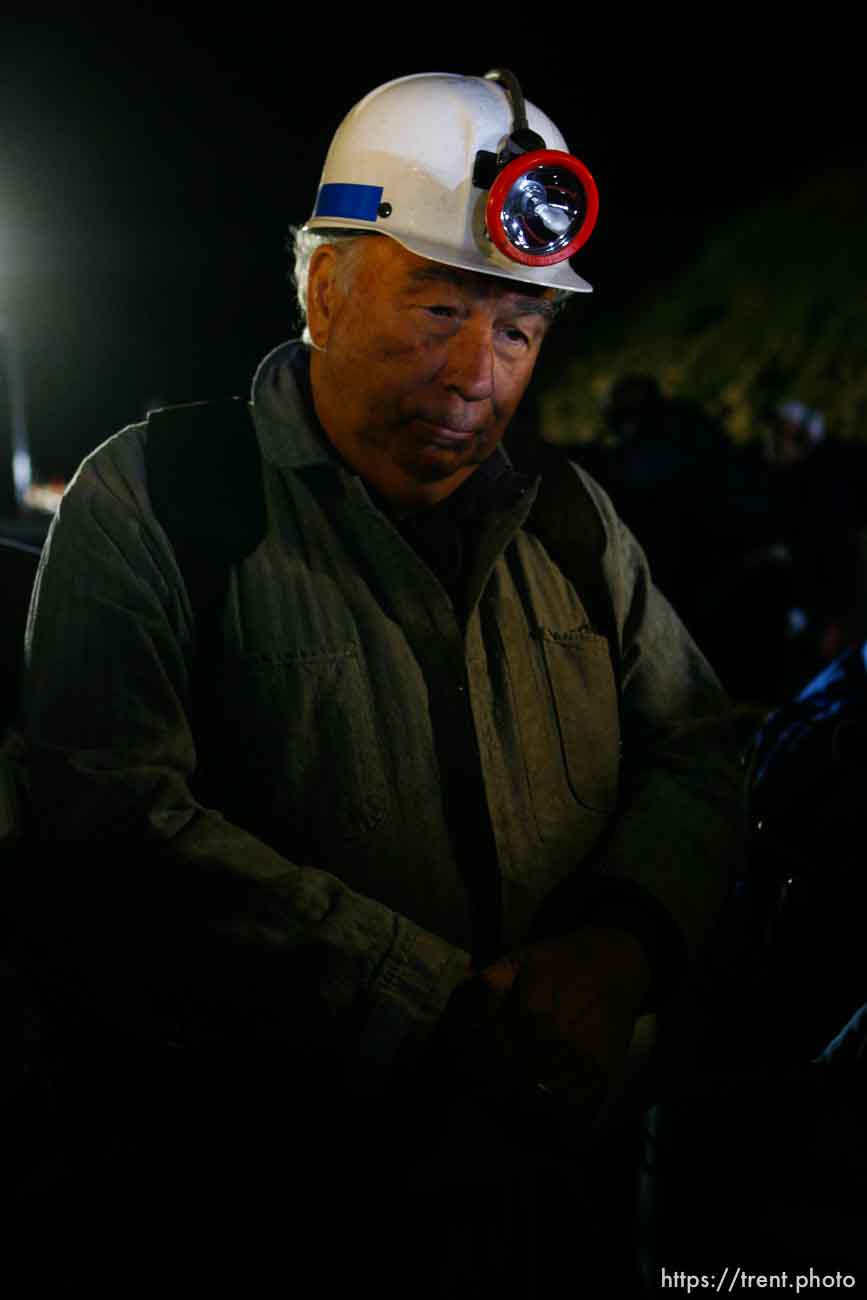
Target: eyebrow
x=528, y=306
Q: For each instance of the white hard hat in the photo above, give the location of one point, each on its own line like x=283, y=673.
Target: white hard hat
x=462, y=171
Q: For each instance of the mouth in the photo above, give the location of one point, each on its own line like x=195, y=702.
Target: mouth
x=444, y=435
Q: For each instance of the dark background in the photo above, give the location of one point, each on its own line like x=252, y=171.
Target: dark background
x=151, y=165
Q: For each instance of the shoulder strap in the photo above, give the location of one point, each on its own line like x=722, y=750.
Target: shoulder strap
x=205, y=482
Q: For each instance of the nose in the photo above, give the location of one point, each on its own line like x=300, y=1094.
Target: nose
x=469, y=368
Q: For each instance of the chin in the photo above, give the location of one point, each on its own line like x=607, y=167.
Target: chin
x=453, y=458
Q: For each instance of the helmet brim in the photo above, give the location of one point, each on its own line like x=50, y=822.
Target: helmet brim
x=560, y=276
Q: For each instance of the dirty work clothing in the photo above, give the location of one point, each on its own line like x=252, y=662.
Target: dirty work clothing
x=300, y=872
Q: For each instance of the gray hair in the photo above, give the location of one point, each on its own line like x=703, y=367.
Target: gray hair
x=303, y=244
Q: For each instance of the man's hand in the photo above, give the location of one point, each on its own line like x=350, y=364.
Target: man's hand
x=558, y=1014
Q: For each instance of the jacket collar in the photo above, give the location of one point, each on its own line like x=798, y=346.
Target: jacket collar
x=289, y=433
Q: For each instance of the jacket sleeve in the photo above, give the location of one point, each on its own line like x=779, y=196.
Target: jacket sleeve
x=164, y=916
x=666, y=865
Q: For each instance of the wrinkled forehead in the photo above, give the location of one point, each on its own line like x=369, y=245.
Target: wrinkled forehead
x=504, y=295
x=414, y=271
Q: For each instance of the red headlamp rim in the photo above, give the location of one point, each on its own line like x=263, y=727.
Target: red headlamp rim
x=505, y=180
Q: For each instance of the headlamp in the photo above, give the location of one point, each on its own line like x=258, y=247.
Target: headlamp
x=542, y=207
x=542, y=203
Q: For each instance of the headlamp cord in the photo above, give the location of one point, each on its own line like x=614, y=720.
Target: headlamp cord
x=512, y=87
x=522, y=139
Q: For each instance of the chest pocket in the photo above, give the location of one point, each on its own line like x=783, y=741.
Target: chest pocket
x=584, y=712
x=305, y=737
x=563, y=693
x=566, y=704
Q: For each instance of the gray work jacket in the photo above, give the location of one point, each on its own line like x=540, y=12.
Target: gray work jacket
x=337, y=637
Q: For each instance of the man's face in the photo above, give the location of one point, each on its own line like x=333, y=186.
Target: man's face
x=423, y=365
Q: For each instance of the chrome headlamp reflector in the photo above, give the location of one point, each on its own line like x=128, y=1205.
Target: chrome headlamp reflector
x=542, y=207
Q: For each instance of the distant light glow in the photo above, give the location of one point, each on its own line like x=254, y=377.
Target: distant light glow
x=22, y=472
x=44, y=496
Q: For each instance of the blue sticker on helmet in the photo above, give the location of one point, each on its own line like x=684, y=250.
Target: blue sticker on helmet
x=355, y=202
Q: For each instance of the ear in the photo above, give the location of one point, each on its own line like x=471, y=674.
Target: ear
x=321, y=294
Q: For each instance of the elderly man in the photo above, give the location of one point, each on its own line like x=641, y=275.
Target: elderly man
x=433, y=785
